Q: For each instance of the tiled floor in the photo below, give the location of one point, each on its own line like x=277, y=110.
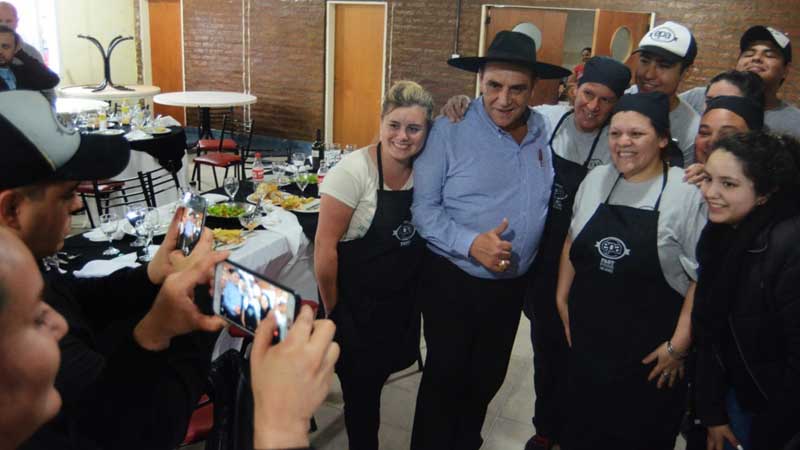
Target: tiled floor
x=508, y=421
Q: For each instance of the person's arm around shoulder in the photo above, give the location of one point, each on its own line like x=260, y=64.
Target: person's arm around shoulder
x=32, y=74
x=290, y=379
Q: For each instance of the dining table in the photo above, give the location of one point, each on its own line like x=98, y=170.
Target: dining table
x=136, y=91
x=65, y=105
x=205, y=100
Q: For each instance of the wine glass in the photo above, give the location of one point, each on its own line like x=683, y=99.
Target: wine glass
x=135, y=215
x=280, y=172
x=148, y=226
x=250, y=220
x=108, y=225
x=299, y=159
x=231, y=185
x=301, y=179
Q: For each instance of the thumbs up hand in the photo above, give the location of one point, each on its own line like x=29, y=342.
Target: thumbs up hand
x=491, y=250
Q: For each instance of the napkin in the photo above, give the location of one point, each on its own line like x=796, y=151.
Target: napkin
x=97, y=235
x=103, y=267
x=285, y=223
x=166, y=121
x=137, y=135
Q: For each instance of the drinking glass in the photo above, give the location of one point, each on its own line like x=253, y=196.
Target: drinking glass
x=148, y=226
x=231, y=185
x=108, y=225
x=250, y=220
x=298, y=159
x=349, y=148
x=301, y=179
x=135, y=216
x=91, y=120
x=280, y=171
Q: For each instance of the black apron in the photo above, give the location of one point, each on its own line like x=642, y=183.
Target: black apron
x=377, y=316
x=621, y=308
x=540, y=301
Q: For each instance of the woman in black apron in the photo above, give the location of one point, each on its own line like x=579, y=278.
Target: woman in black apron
x=368, y=283
x=622, y=315
x=603, y=82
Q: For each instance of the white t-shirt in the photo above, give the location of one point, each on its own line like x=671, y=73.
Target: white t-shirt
x=682, y=216
x=571, y=143
x=354, y=182
x=684, y=122
x=785, y=119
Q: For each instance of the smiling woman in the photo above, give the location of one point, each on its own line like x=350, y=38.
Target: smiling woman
x=626, y=285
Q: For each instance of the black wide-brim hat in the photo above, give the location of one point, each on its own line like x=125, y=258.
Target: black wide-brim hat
x=515, y=48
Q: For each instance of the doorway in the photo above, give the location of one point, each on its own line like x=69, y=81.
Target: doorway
x=355, y=71
x=166, y=52
x=561, y=34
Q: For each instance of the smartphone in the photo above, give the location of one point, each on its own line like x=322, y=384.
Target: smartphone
x=191, y=224
x=244, y=298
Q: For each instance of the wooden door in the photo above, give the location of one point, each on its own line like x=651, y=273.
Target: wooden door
x=606, y=25
x=166, y=54
x=358, y=72
x=552, y=25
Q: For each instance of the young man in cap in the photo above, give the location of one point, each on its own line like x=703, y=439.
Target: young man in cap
x=766, y=52
x=665, y=54
x=18, y=70
x=480, y=199
x=131, y=372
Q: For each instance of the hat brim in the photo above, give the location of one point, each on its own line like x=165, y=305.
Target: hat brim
x=98, y=157
x=541, y=70
x=660, y=52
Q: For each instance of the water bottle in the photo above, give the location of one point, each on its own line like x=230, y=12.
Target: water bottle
x=258, y=169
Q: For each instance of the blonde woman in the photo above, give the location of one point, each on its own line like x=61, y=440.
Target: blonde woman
x=367, y=254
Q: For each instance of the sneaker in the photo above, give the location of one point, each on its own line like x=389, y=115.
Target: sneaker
x=538, y=442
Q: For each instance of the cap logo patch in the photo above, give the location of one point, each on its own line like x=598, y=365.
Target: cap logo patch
x=663, y=34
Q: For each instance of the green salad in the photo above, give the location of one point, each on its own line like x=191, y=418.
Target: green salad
x=225, y=210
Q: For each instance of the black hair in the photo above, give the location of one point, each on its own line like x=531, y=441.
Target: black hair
x=586, y=48
x=770, y=161
x=748, y=83
x=5, y=29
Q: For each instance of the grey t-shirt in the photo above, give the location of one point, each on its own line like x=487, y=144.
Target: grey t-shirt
x=696, y=98
x=682, y=216
x=784, y=119
x=571, y=143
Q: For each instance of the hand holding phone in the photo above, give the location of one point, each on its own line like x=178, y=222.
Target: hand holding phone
x=244, y=298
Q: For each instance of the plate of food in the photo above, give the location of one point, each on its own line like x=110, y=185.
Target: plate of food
x=225, y=239
x=294, y=203
x=109, y=132
x=156, y=130
x=262, y=191
x=226, y=214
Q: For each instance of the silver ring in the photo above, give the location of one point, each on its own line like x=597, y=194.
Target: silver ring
x=503, y=264
x=665, y=374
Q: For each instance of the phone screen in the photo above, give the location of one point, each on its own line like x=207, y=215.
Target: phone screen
x=191, y=225
x=245, y=298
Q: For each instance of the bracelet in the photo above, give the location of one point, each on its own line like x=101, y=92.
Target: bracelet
x=671, y=351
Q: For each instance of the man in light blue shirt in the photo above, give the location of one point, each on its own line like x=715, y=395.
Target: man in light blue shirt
x=481, y=191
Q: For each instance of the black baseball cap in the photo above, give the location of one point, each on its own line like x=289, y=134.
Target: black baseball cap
x=36, y=147
x=762, y=33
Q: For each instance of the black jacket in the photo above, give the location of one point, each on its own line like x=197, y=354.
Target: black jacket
x=31, y=74
x=117, y=395
x=758, y=355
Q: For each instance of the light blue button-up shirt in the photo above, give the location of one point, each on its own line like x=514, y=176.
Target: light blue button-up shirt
x=8, y=76
x=470, y=176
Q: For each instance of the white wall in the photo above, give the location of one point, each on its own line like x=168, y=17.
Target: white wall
x=104, y=19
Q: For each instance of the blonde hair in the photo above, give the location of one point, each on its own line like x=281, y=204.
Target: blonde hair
x=405, y=94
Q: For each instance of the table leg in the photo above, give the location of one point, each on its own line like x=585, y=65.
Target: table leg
x=205, y=124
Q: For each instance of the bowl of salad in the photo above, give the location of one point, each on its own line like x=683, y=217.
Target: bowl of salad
x=226, y=214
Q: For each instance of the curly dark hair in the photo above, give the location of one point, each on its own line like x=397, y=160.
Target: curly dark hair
x=771, y=161
x=748, y=83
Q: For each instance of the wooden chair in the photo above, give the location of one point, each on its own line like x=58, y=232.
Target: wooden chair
x=241, y=134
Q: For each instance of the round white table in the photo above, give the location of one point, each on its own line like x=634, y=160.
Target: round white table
x=109, y=93
x=78, y=105
x=205, y=100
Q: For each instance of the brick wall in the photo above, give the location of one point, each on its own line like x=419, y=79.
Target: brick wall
x=287, y=47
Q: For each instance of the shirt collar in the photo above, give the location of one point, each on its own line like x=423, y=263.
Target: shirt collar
x=535, y=124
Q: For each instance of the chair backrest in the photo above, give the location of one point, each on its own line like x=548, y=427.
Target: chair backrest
x=110, y=194
x=157, y=181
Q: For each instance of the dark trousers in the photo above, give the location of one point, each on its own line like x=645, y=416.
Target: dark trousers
x=362, y=403
x=596, y=439
x=549, y=375
x=470, y=325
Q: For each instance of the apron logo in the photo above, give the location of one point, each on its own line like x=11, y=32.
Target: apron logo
x=594, y=162
x=559, y=195
x=404, y=233
x=611, y=249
